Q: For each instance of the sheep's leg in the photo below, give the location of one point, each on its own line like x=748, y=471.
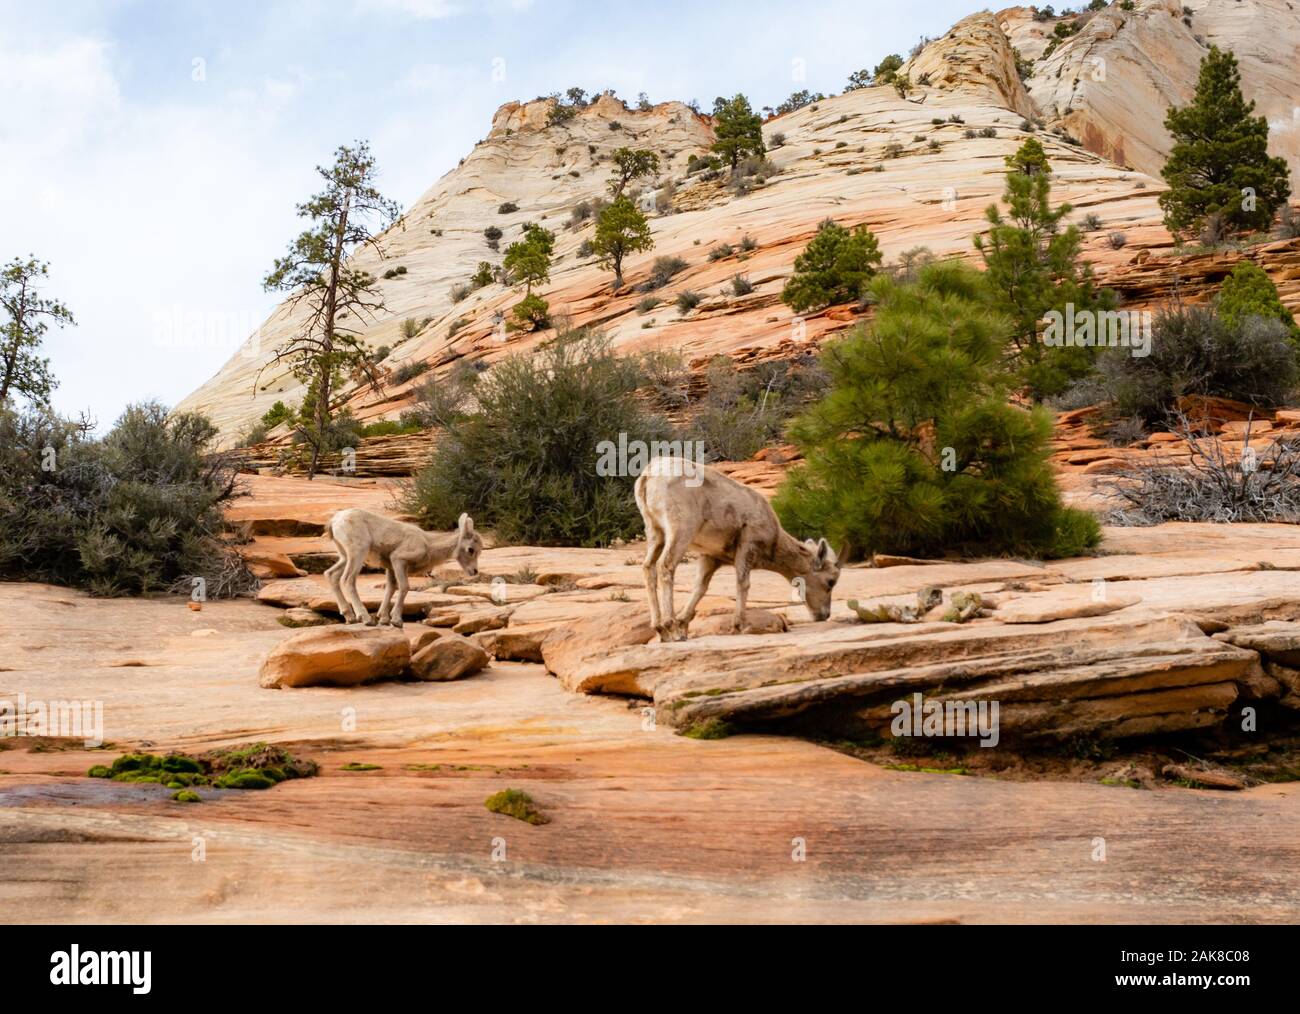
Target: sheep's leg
x=654, y=547
x=403, y=586
x=333, y=573
x=390, y=583
x=703, y=575
x=743, y=550
x=350, y=574
x=672, y=555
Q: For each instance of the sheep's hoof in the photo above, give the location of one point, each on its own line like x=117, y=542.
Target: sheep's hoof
x=396, y=623
x=369, y=621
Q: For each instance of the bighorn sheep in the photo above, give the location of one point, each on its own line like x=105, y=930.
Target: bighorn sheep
x=688, y=506
x=398, y=547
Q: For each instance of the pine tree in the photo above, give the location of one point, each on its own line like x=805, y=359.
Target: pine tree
x=1032, y=264
x=915, y=449
x=1220, y=162
x=22, y=371
x=835, y=267
x=347, y=215
x=529, y=260
x=737, y=130
x=620, y=230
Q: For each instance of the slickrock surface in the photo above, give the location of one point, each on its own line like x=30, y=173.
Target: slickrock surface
x=646, y=824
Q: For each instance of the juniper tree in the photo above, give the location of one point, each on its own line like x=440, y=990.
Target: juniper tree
x=621, y=229
x=348, y=215
x=737, y=130
x=29, y=315
x=835, y=267
x=1219, y=163
x=631, y=164
x=1032, y=264
x=916, y=448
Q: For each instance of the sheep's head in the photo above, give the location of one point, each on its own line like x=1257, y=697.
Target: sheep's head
x=819, y=581
x=469, y=546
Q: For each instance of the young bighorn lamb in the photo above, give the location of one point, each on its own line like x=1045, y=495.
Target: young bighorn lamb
x=688, y=506
x=398, y=547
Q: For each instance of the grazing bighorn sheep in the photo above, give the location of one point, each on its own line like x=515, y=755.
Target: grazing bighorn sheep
x=398, y=547
x=688, y=506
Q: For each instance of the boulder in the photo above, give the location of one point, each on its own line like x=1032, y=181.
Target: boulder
x=515, y=643
x=421, y=636
x=336, y=656
x=450, y=657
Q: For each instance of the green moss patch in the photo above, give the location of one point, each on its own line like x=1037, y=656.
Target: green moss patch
x=710, y=728
x=358, y=766
x=518, y=804
x=250, y=766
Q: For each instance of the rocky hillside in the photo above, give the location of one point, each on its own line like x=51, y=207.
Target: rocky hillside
x=918, y=170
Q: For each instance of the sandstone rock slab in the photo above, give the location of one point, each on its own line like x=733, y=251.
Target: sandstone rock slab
x=336, y=656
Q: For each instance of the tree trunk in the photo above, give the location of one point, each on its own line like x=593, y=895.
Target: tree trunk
x=326, y=366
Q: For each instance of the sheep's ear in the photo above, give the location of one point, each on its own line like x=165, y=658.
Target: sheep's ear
x=466, y=524
x=810, y=544
x=824, y=553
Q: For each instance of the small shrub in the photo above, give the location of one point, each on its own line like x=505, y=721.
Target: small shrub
x=688, y=300
x=1116, y=240
x=441, y=401
x=1091, y=222
x=721, y=251
x=893, y=150
x=662, y=271
x=741, y=285
x=410, y=370
x=988, y=132
x=647, y=304
x=778, y=140
x=1212, y=484
x=459, y=292
x=507, y=207
x=748, y=244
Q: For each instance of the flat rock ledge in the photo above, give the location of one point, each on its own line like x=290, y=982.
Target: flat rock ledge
x=1100, y=676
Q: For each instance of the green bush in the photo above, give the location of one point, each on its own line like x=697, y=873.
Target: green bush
x=276, y=414
x=137, y=511
x=409, y=370
x=532, y=312
x=525, y=461
x=1196, y=352
x=915, y=449
x=1249, y=292
x=834, y=268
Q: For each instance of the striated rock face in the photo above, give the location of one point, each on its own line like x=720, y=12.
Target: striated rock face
x=1112, y=83
x=864, y=157
x=974, y=57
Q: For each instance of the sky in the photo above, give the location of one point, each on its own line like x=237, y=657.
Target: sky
x=154, y=151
